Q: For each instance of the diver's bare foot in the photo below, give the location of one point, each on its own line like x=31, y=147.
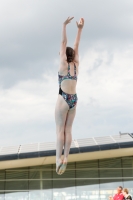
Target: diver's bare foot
x=59, y=162
x=63, y=166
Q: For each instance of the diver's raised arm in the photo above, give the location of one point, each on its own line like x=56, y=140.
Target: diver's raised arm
x=64, y=36
x=78, y=36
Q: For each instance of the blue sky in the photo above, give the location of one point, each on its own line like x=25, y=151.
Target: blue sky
x=29, y=58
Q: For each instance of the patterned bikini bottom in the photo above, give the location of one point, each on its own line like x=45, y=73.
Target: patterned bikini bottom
x=71, y=99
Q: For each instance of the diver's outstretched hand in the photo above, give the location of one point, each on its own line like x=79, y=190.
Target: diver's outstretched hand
x=68, y=20
x=80, y=24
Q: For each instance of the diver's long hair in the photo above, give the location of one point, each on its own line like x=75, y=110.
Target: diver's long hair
x=70, y=53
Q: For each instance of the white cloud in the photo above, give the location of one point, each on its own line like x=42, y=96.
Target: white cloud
x=108, y=83
x=28, y=100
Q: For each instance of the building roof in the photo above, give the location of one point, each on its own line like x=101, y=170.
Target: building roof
x=112, y=146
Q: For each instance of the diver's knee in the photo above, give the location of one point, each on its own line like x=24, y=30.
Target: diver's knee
x=60, y=135
x=68, y=131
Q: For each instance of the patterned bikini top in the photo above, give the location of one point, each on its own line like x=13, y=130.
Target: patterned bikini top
x=68, y=76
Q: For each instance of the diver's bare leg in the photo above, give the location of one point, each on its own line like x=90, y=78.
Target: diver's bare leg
x=68, y=137
x=61, y=111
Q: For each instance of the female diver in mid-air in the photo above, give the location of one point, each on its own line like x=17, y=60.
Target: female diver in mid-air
x=67, y=99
